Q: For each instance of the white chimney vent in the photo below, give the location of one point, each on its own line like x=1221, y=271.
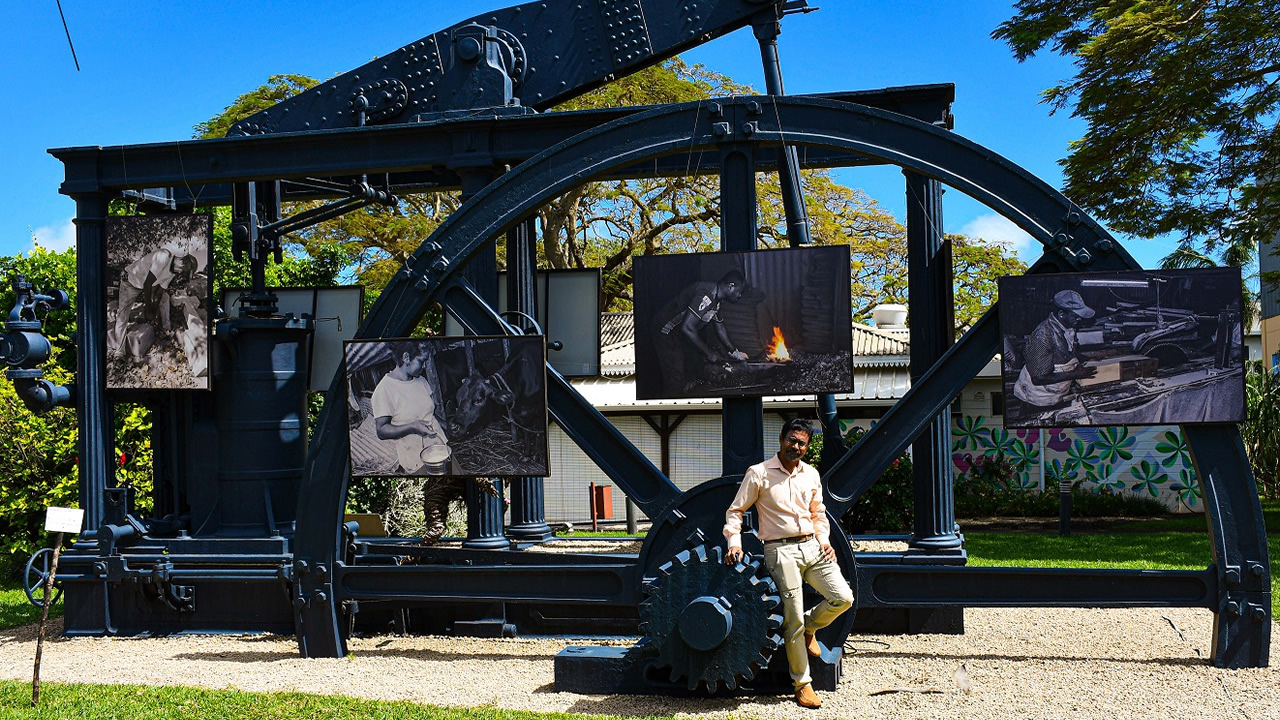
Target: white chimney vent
x=890, y=316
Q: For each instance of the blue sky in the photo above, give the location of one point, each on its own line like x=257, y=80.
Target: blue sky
x=150, y=72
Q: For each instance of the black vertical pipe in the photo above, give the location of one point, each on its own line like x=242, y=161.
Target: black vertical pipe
x=93, y=409
x=931, y=304
x=528, y=504
x=743, y=418
x=484, y=512
x=766, y=30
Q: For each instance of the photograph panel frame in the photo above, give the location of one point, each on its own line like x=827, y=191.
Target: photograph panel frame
x=160, y=267
x=790, y=323
x=456, y=406
x=1144, y=347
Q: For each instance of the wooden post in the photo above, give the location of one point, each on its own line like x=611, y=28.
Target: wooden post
x=44, y=618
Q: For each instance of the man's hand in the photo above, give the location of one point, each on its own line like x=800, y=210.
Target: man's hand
x=734, y=555
x=1083, y=372
x=738, y=355
x=827, y=553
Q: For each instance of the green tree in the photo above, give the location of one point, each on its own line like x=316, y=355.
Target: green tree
x=1261, y=429
x=1181, y=98
x=278, y=87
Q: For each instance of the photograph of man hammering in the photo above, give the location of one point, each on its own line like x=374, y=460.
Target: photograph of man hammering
x=741, y=324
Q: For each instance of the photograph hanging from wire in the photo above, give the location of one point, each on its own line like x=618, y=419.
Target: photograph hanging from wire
x=1148, y=347
x=158, y=300
x=448, y=407
x=767, y=322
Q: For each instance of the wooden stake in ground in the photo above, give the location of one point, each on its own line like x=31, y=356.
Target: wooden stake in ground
x=44, y=617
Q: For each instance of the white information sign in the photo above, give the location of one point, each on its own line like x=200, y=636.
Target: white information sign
x=59, y=519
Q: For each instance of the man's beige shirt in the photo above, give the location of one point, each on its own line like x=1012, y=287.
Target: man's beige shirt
x=787, y=504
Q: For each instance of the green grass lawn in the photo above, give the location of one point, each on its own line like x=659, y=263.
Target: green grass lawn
x=16, y=610
x=1174, y=543
x=91, y=702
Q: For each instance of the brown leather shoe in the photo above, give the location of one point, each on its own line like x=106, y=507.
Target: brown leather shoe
x=807, y=698
x=811, y=645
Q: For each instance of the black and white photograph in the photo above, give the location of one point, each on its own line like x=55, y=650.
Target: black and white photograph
x=448, y=407
x=1149, y=347
x=158, y=301
x=741, y=324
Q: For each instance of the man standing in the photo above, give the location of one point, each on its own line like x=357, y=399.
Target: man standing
x=1051, y=364
x=787, y=495
x=404, y=408
x=679, y=325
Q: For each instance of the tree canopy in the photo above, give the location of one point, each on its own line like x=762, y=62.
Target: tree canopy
x=1181, y=98
x=606, y=224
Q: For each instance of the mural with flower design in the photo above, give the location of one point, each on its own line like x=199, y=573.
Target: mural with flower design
x=1151, y=462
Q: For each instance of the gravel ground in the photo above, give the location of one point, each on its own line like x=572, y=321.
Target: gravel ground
x=1021, y=663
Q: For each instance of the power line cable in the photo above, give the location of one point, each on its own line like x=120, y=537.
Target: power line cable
x=68, y=32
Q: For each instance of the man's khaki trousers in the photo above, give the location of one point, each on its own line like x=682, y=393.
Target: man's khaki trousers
x=792, y=565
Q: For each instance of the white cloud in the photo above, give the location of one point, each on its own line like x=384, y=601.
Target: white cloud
x=56, y=237
x=995, y=228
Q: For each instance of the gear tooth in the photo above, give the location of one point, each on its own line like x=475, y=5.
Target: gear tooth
x=674, y=675
x=712, y=686
x=771, y=601
x=774, y=622
x=731, y=682
x=762, y=661
x=643, y=627
x=773, y=643
x=699, y=553
x=717, y=554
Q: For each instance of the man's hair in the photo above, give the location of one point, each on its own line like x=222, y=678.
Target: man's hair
x=186, y=266
x=734, y=276
x=400, y=347
x=796, y=424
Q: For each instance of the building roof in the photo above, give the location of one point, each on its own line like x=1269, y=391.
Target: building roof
x=872, y=386
x=872, y=347
x=881, y=371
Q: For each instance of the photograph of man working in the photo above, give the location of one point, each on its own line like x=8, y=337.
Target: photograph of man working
x=741, y=324
x=1133, y=348
x=786, y=493
x=158, y=302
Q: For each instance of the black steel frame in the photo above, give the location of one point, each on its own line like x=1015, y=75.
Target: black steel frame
x=1235, y=586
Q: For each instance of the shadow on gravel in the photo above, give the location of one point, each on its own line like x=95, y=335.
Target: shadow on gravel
x=651, y=705
x=1170, y=662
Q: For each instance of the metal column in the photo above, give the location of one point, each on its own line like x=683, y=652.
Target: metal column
x=743, y=419
x=93, y=409
x=932, y=307
x=766, y=30
x=484, y=512
x=528, y=506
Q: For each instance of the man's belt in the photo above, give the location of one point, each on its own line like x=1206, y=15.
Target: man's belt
x=792, y=539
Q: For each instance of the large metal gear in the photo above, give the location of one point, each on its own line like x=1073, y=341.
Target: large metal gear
x=711, y=623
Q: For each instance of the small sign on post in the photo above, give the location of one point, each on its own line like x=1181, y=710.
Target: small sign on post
x=60, y=521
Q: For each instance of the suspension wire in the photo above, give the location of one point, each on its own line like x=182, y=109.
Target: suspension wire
x=68, y=32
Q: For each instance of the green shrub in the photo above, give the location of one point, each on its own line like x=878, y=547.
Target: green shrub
x=888, y=506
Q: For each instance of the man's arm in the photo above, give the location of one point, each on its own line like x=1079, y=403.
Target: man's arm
x=689, y=328
x=748, y=492
x=723, y=335
x=1039, y=360
x=388, y=431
